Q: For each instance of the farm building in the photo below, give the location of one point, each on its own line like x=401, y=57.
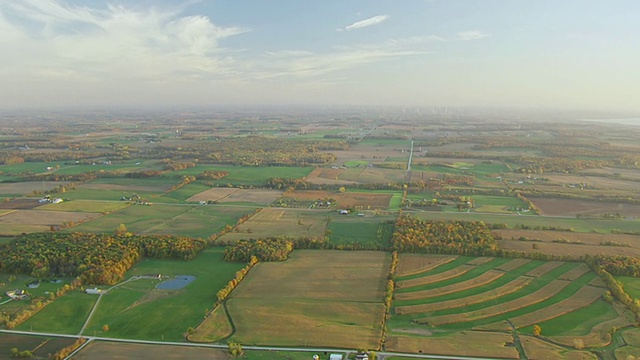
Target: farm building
x=344, y=212
x=94, y=291
x=17, y=294
x=335, y=357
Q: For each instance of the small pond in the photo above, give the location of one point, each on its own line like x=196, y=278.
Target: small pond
x=176, y=283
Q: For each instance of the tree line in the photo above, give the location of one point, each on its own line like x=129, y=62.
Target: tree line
x=94, y=258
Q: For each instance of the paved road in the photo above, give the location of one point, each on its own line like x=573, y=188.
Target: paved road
x=247, y=347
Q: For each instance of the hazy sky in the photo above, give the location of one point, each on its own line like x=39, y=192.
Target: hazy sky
x=534, y=53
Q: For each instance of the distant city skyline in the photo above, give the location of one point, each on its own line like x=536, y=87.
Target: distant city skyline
x=570, y=54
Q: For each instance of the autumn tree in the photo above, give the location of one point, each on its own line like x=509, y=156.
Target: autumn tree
x=537, y=330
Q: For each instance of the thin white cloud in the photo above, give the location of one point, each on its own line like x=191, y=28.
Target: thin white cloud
x=375, y=20
x=48, y=38
x=471, y=35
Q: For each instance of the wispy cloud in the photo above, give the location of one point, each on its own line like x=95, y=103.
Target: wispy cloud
x=375, y=20
x=48, y=38
x=471, y=35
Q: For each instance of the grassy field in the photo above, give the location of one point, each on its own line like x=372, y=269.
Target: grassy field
x=166, y=315
x=65, y=315
x=185, y=220
x=362, y=230
x=337, y=294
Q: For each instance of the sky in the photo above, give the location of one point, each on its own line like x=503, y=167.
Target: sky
x=569, y=54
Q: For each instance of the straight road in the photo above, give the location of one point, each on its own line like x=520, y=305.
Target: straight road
x=247, y=347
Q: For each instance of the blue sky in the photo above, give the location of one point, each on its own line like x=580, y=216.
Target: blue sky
x=561, y=54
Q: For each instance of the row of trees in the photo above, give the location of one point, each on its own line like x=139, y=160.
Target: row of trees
x=240, y=274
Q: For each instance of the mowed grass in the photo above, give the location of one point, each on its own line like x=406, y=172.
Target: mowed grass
x=316, y=298
x=631, y=285
x=184, y=220
x=138, y=311
x=358, y=230
x=65, y=315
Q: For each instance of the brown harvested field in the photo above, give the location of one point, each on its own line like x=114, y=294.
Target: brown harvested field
x=214, y=327
x=574, y=250
x=316, y=298
x=20, y=204
x=320, y=274
x=568, y=207
x=327, y=176
x=272, y=222
x=374, y=153
x=483, y=279
x=410, y=264
x=594, y=182
x=544, y=268
x=467, y=343
x=145, y=188
x=624, y=173
x=343, y=200
x=513, y=264
x=374, y=175
x=21, y=188
x=258, y=196
x=505, y=289
x=40, y=346
x=535, y=297
x=583, y=297
x=45, y=217
x=585, y=238
x=575, y=273
x=19, y=221
x=424, y=280
x=99, y=350
x=537, y=349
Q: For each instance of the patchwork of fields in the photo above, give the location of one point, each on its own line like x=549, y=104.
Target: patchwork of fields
x=439, y=299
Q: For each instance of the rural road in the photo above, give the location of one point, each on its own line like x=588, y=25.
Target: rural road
x=247, y=347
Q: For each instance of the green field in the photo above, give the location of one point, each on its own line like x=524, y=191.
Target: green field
x=184, y=220
x=164, y=316
x=65, y=315
x=361, y=230
x=631, y=285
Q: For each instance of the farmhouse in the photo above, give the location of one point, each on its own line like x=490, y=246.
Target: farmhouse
x=94, y=291
x=335, y=357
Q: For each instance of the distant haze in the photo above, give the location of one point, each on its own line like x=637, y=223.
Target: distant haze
x=569, y=54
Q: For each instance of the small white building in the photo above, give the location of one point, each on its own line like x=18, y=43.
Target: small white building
x=335, y=357
x=94, y=291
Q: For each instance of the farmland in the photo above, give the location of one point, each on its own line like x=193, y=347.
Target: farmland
x=489, y=188
x=447, y=295
x=337, y=294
